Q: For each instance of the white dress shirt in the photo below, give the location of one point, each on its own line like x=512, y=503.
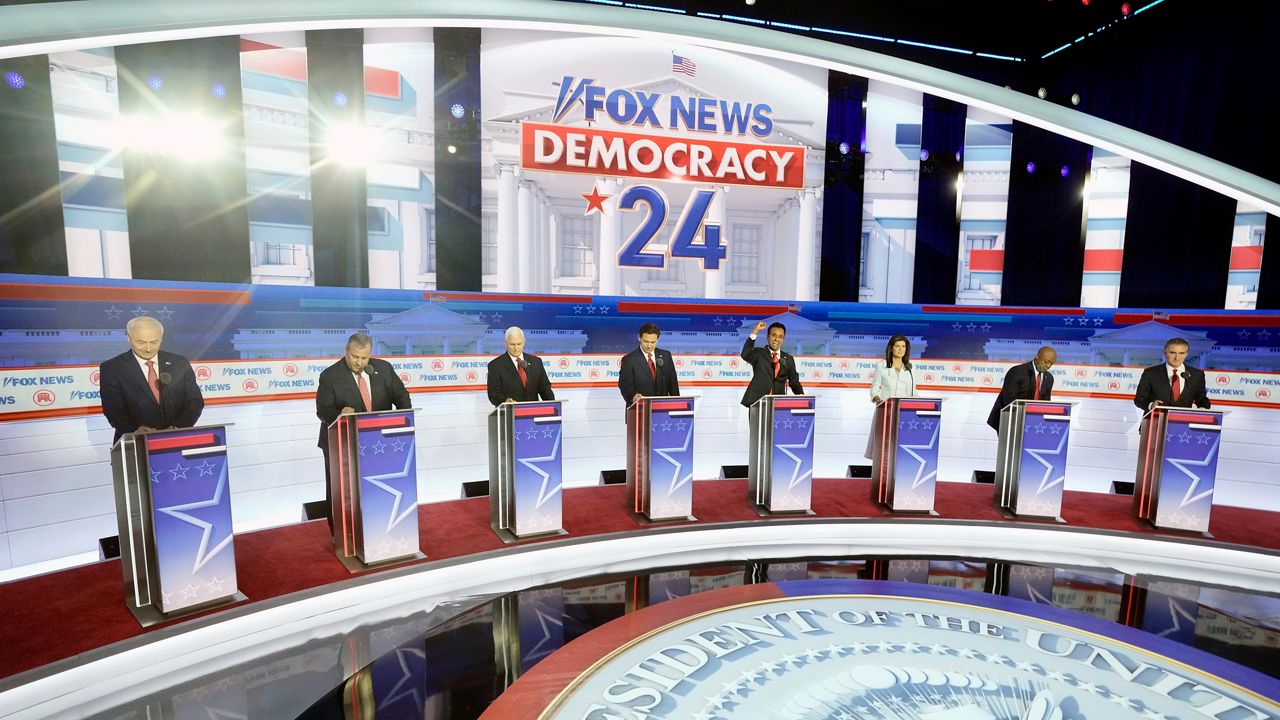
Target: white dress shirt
x=891, y=383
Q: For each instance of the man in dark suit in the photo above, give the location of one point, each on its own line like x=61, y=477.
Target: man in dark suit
x=146, y=388
x=1172, y=382
x=515, y=376
x=1028, y=381
x=771, y=368
x=648, y=370
x=356, y=383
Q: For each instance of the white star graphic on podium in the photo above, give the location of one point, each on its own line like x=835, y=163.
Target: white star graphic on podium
x=1039, y=455
x=921, y=477
x=544, y=493
x=797, y=477
x=397, y=515
x=205, y=553
x=677, y=482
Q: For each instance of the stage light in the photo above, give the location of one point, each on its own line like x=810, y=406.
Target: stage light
x=1125, y=9
x=155, y=82
x=15, y=80
x=1085, y=3
x=750, y=2
x=1075, y=98
x=1042, y=93
x=340, y=99
x=352, y=143
x=957, y=156
x=187, y=136
x=924, y=155
x=1065, y=171
x=1031, y=167
x=219, y=90
x=452, y=149
x=457, y=111
x=844, y=148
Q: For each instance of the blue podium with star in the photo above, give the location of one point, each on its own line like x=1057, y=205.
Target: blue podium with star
x=526, y=477
x=374, y=479
x=173, y=511
x=1031, y=459
x=904, y=462
x=660, y=458
x=780, y=470
x=1177, y=468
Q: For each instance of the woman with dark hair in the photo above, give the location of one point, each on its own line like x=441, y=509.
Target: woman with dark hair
x=893, y=379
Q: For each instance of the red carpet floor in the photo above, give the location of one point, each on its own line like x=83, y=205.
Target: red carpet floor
x=57, y=616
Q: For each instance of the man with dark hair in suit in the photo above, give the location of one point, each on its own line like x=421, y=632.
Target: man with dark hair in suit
x=356, y=383
x=771, y=368
x=1172, y=382
x=1028, y=381
x=146, y=388
x=648, y=370
x=515, y=376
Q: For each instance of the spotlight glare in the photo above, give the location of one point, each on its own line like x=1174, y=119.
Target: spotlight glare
x=1042, y=93
x=1031, y=167
x=187, y=136
x=219, y=90
x=340, y=99
x=352, y=143
x=844, y=148
x=457, y=111
x=15, y=80
x=1065, y=171
x=751, y=2
x=155, y=82
x=1075, y=98
x=1125, y=9
x=924, y=154
x=452, y=149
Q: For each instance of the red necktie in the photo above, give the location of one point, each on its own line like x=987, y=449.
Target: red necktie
x=775, y=365
x=652, y=370
x=1037, y=397
x=1176, y=386
x=364, y=393
x=524, y=379
x=153, y=380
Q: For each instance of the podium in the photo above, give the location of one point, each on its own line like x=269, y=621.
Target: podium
x=173, y=510
x=374, y=485
x=1031, y=458
x=1177, y=468
x=904, y=463
x=780, y=471
x=525, y=473
x=660, y=456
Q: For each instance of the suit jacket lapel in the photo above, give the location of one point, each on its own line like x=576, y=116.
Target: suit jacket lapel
x=136, y=376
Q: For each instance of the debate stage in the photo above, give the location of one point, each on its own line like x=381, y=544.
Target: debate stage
x=65, y=620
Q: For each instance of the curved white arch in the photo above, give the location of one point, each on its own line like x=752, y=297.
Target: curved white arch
x=133, y=669
x=51, y=27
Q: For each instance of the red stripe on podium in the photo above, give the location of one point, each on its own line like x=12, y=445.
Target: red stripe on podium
x=918, y=405
x=1046, y=409
x=669, y=405
x=535, y=411
x=1193, y=418
x=180, y=443
x=382, y=422
x=793, y=403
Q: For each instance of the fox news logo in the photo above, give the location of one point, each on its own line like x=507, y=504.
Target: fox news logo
x=644, y=109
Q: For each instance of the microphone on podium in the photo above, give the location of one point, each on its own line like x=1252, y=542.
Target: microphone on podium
x=163, y=380
x=658, y=359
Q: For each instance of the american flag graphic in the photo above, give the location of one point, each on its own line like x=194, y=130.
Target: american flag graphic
x=684, y=65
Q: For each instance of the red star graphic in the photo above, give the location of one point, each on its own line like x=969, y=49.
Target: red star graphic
x=595, y=201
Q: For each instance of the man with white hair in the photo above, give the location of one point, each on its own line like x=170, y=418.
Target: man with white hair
x=515, y=376
x=145, y=388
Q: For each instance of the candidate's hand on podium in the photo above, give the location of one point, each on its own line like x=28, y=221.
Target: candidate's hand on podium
x=759, y=326
x=508, y=401
x=347, y=411
x=145, y=428
x=636, y=398
x=1155, y=404
x=875, y=399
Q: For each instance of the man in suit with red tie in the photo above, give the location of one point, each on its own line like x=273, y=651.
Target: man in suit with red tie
x=1172, y=382
x=146, y=388
x=515, y=376
x=356, y=383
x=772, y=370
x=1028, y=381
x=647, y=371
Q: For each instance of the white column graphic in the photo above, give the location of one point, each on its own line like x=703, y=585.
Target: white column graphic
x=508, y=249
x=610, y=239
x=806, y=239
x=716, y=216
x=525, y=234
x=553, y=247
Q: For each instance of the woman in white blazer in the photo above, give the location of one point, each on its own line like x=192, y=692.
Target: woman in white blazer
x=893, y=379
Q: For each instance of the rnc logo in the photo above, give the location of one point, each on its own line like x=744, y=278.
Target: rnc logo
x=679, y=362
x=203, y=373
x=290, y=370
x=928, y=377
x=437, y=365
x=405, y=377
x=1081, y=372
x=250, y=385
x=817, y=374
x=844, y=364
x=1263, y=393
x=1113, y=385
x=563, y=363
x=957, y=368
x=44, y=398
x=987, y=380
x=1223, y=380
x=594, y=374
x=472, y=376
x=94, y=376
x=734, y=363
x=706, y=374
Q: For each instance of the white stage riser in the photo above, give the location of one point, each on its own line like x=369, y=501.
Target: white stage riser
x=57, y=501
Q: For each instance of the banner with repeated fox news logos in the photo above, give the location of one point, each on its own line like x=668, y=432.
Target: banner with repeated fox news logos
x=658, y=168
x=73, y=390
